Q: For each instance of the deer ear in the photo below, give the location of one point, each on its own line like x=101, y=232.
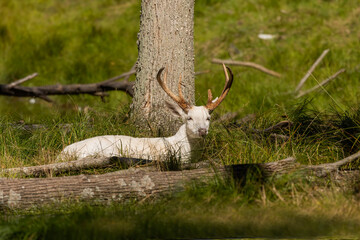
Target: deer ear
x=175, y=109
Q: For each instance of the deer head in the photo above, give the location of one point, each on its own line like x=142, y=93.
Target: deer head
x=197, y=118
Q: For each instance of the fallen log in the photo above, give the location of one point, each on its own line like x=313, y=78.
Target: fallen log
x=140, y=183
x=122, y=185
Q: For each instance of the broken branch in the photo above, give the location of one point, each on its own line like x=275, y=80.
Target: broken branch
x=246, y=64
x=43, y=92
x=20, y=81
x=71, y=166
x=312, y=68
x=323, y=83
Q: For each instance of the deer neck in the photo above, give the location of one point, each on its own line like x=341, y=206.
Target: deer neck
x=183, y=142
x=180, y=137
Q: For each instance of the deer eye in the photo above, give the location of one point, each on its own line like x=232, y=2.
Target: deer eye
x=189, y=118
x=208, y=118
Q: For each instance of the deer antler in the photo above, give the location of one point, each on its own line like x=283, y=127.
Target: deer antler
x=178, y=99
x=211, y=105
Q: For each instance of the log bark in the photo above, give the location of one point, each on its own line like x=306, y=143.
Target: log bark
x=117, y=186
x=165, y=39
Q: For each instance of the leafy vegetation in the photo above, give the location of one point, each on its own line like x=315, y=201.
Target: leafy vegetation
x=83, y=42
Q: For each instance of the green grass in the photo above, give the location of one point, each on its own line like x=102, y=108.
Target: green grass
x=83, y=42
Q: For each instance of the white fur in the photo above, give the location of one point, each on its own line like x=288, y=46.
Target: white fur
x=197, y=122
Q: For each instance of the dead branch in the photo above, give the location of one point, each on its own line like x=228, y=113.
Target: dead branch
x=96, y=89
x=33, y=127
x=283, y=125
x=312, y=68
x=124, y=75
x=71, y=166
x=202, y=72
x=20, y=81
x=323, y=83
x=246, y=64
x=227, y=117
x=246, y=119
x=323, y=170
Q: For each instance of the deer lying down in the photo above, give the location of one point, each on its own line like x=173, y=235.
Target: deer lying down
x=181, y=145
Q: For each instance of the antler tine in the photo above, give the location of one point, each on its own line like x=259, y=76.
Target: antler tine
x=178, y=99
x=210, y=97
x=229, y=79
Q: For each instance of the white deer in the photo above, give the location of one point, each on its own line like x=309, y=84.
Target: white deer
x=182, y=144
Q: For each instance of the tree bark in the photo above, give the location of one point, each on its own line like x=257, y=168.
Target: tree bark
x=166, y=40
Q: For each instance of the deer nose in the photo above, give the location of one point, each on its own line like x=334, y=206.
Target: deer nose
x=202, y=132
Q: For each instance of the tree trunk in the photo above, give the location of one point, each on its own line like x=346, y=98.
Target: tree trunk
x=166, y=40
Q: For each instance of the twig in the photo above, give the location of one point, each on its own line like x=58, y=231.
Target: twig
x=132, y=71
x=202, y=72
x=323, y=83
x=246, y=64
x=133, y=68
x=20, y=81
x=312, y=68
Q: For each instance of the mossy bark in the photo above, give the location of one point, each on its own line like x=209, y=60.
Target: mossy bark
x=165, y=39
